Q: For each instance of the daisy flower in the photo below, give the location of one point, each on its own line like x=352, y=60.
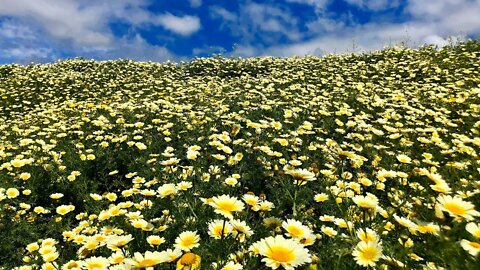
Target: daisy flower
x=367, y=253
x=279, y=251
x=226, y=205
x=147, y=261
x=219, y=228
x=187, y=240
x=301, y=176
x=295, y=229
x=96, y=263
x=189, y=261
x=457, y=207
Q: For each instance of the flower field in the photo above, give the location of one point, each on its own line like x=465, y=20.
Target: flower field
x=347, y=161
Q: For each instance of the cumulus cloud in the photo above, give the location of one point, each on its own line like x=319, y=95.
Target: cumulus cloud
x=320, y=5
x=222, y=13
x=48, y=29
x=431, y=22
x=375, y=5
x=263, y=23
x=18, y=42
x=136, y=48
x=61, y=19
x=86, y=22
x=184, y=25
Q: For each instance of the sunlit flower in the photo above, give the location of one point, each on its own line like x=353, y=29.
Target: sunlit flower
x=96, y=263
x=251, y=199
x=295, y=228
x=148, y=260
x=320, y=197
x=56, y=196
x=187, y=240
x=155, y=240
x=240, y=229
x=171, y=254
x=473, y=229
x=226, y=205
x=367, y=235
x=329, y=231
x=114, y=242
x=32, y=247
x=232, y=266
x=219, y=228
x=117, y=257
x=24, y=176
x=12, y=193
x=369, y=201
x=367, y=253
x=430, y=228
x=189, y=261
x=404, y=159
x=457, y=207
x=471, y=247
x=301, y=176
x=64, y=209
x=279, y=251
x=167, y=190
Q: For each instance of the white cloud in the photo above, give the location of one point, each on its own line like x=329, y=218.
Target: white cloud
x=195, y=3
x=48, y=29
x=185, y=25
x=61, y=19
x=10, y=30
x=375, y=5
x=320, y=5
x=220, y=12
x=256, y=22
x=18, y=42
x=432, y=22
x=324, y=24
x=135, y=48
x=85, y=23
x=23, y=43
x=27, y=53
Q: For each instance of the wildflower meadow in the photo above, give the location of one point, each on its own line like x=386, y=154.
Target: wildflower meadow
x=346, y=161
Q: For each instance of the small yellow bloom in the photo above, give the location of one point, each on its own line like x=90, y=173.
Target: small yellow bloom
x=12, y=193
x=189, y=261
x=65, y=209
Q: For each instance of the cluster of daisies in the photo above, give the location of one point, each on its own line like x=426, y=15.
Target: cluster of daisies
x=340, y=162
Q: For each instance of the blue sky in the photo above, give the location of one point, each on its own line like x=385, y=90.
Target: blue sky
x=176, y=30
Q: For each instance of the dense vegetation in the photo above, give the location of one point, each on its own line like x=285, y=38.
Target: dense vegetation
x=339, y=162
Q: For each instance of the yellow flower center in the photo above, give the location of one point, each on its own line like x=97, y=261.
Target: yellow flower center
x=295, y=231
x=188, y=258
x=226, y=206
x=218, y=230
x=474, y=244
x=369, y=253
x=281, y=254
x=95, y=265
x=456, y=209
x=147, y=262
x=50, y=267
x=187, y=241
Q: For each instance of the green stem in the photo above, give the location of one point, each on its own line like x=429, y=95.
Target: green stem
x=191, y=209
x=295, y=202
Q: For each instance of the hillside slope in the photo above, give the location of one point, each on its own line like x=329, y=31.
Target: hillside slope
x=110, y=159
